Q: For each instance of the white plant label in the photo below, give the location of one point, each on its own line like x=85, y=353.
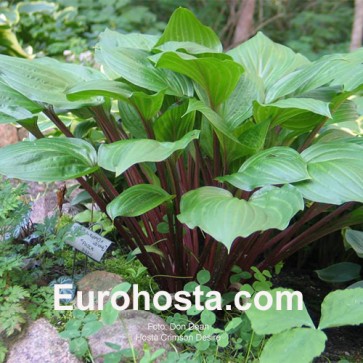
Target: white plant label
x=88, y=242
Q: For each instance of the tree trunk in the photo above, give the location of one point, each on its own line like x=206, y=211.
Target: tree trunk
x=357, y=31
x=244, y=26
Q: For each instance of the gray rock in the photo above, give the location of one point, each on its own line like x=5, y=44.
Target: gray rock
x=97, y=281
x=137, y=328
x=40, y=343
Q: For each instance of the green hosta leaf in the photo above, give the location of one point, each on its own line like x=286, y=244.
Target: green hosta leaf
x=225, y=218
x=183, y=26
x=299, y=345
x=115, y=39
x=273, y=321
x=346, y=112
x=174, y=123
x=280, y=204
x=147, y=105
x=336, y=171
x=349, y=71
x=46, y=80
x=134, y=66
x=14, y=106
x=263, y=59
x=355, y=240
x=137, y=200
x=306, y=104
x=336, y=69
x=358, y=284
x=340, y=272
x=238, y=106
x=253, y=139
x=132, y=120
x=309, y=77
x=48, y=160
x=212, y=117
x=277, y=165
x=120, y=155
x=106, y=88
x=217, y=77
x=290, y=118
x=342, y=307
x=189, y=47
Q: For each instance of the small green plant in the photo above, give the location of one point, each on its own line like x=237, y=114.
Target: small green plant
x=28, y=255
x=78, y=329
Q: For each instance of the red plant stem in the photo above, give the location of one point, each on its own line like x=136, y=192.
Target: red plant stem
x=206, y=174
x=262, y=244
x=112, y=193
x=107, y=125
x=182, y=176
x=282, y=252
x=178, y=237
x=208, y=241
x=216, y=155
x=57, y=121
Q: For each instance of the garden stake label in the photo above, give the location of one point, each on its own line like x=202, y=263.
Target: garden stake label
x=88, y=242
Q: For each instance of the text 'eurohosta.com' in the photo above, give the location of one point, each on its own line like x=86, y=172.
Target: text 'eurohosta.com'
x=181, y=300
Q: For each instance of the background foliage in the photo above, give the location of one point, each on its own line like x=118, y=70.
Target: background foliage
x=311, y=27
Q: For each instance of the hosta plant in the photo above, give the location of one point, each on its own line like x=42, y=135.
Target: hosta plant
x=202, y=159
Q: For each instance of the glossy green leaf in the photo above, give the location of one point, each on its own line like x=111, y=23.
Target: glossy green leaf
x=14, y=106
x=336, y=70
x=217, y=77
x=174, y=123
x=306, y=104
x=336, y=171
x=340, y=272
x=342, y=307
x=48, y=160
x=120, y=155
x=265, y=60
x=355, y=240
x=273, y=320
x=183, y=26
x=115, y=39
x=239, y=105
x=212, y=116
x=277, y=165
x=46, y=80
x=218, y=213
x=298, y=345
x=134, y=66
x=137, y=200
x=189, y=47
x=147, y=105
x=106, y=88
x=358, y=284
x=131, y=120
x=253, y=138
